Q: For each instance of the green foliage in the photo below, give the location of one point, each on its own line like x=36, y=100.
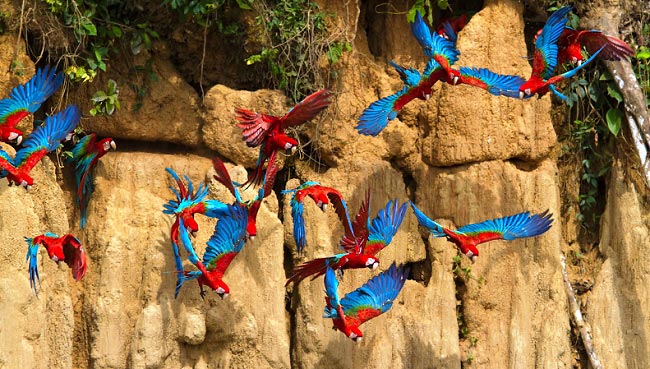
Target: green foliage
x=295, y=37
x=641, y=66
x=458, y=269
x=4, y=17
x=105, y=102
x=426, y=9
x=204, y=12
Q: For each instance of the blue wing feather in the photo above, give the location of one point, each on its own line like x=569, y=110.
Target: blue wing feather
x=187, y=243
x=376, y=117
x=82, y=158
x=436, y=229
x=511, y=227
x=378, y=293
x=229, y=235
x=497, y=84
x=299, y=234
x=409, y=76
x=48, y=136
x=32, y=255
x=385, y=225
x=32, y=94
x=332, y=293
x=546, y=43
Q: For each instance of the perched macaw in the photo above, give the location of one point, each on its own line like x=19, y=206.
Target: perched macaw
x=253, y=205
x=269, y=130
x=226, y=242
x=26, y=99
x=361, y=247
x=572, y=41
x=442, y=54
x=322, y=196
x=509, y=228
x=66, y=248
x=370, y=300
x=187, y=204
x=85, y=156
x=43, y=140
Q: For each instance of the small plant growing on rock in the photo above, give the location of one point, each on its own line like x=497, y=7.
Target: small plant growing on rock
x=105, y=102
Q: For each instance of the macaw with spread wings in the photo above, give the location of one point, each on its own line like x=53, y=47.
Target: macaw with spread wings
x=362, y=246
x=372, y=299
x=43, y=140
x=227, y=241
x=67, y=249
x=509, y=228
x=269, y=130
x=26, y=99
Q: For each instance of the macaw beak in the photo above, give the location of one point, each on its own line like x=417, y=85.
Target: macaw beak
x=521, y=94
x=252, y=238
x=474, y=259
x=324, y=207
x=293, y=150
x=427, y=96
x=454, y=80
x=579, y=62
x=375, y=266
x=113, y=145
x=193, y=234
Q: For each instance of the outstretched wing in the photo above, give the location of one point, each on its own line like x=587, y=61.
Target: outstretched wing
x=434, y=46
x=614, y=49
x=509, y=228
x=254, y=125
x=353, y=243
x=341, y=209
x=496, y=84
x=223, y=177
x=194, y=201
x=307, y=109
x=376, y=296
x=47, y=137
x=297, y=214
x=376, y=116
x=6, y=164
x=568, y=74
x=434, y=228
x=27, y=98
x=409, y=76
x=227, y=240
x=546, y=49
x=75, y=256
x=384, y=227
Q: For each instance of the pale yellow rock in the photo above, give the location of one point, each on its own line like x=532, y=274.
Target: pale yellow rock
x=617, y=308
x=192, y=327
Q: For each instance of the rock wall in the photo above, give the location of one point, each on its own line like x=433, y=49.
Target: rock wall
x=462, y=157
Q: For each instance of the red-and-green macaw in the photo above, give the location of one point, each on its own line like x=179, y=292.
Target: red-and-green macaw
x=85, y=155
x=227, y=241
x=572, y=41
x=442, y=54
x=322, y=196
x=496, y=84
x=509, y=228
x=253, y=206
x=26, y=99
x=269, y=130
x=187, y=204
x=43, y=140
x=372, y=299
x=67, y=249
x=455, y=24
x=362, y=246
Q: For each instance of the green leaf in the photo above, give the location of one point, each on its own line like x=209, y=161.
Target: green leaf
x=443, y=4
x=99, y=96
x=117, y=31
x=91, y=30
x=93, y=112
x=243, y=4
x=644, y=53
x=614, y=118
x=613, y=92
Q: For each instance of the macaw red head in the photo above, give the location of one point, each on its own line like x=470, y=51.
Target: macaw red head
x=287, y=142
x=574, y=53
x=189, y=222
x=370, y=261
x=354, y=333
x=471, y=251
x=530, y=87
x=251, y=229
x=320, y=199
x=54, y=251
x=216, y=283
x=106, y=145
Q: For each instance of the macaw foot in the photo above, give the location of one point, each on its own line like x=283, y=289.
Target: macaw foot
x=340, y=272
x=202, y=293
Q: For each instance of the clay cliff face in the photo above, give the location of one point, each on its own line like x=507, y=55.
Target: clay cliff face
x=462, y=157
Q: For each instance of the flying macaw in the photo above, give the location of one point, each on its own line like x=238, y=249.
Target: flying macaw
x=26, y=99
x=269, y=130
x=226, y=242
x=187, y=203
x=572, y=41
x=496, y=84
x=360, y=248
x=66, y=248
x=322, y=196
x=442, y=54
x=374, y=298
x=43, y=140
x=253, y=205
x=509, y=228
x=85, y=156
